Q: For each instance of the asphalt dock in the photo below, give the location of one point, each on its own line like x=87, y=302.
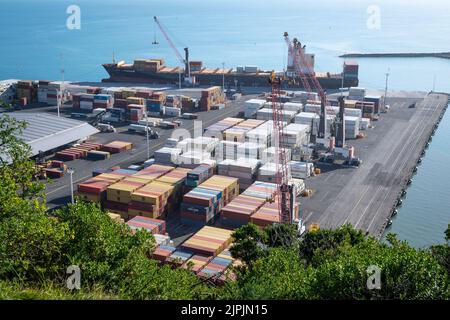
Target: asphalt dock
x=366, y=196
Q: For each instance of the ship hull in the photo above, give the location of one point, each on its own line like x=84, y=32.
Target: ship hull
x=117, y=74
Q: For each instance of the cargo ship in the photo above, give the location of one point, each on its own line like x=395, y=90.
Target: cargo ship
x=155, y=71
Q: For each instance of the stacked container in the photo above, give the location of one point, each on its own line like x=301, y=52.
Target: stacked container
x=150, y=200
x=208, y=241
x=267, y=114
x=199, y=175
x=200, y=206
x=117, y=147
x=268, y=172
x=228, y=186
x=252, y=106
x=154, y=226
x=351, y=127
x=244, y=169
x=210, y=97
x=238, y=211
x=294, y=135
x=216, y=130
x=260, y=189
x=238, y=132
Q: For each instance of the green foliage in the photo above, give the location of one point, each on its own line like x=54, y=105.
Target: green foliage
x=98, y=245
x=144, y=279
x=249, y=243
x=278, y=275
x=323, y=243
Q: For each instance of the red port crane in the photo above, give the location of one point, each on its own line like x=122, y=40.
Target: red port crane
x=284, y=196
x=305, y=71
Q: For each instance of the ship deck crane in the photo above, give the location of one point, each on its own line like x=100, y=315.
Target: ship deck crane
x=308, y=78
x=184, y=60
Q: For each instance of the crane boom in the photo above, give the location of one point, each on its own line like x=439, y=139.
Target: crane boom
x=185, y=60
x=283, y=196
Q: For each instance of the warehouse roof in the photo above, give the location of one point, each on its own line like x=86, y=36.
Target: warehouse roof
x=45, y=132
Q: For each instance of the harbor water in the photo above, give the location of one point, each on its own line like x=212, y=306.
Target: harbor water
x=37, y=43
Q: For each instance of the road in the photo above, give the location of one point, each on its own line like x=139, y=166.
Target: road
x=365, y=197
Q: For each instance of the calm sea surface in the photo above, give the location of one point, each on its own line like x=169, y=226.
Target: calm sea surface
x=35, y=43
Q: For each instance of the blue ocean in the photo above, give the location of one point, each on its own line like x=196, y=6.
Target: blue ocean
x=36, y=43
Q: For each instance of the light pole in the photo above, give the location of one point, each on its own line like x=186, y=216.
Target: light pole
x=223, y=76
x=386, y=90
x=147, y=137
x=70, y=171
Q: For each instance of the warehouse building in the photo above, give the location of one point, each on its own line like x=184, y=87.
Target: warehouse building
x=45, y=132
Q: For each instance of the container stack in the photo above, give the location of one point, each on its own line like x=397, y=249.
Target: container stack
x=351, y=127
x=267, y=215
x=216, y=130
x=200, y=206
x=268, y=173
x=179, y=257
x=238, y=132
x=267, y=114
x=262, y=134
x=94, y=189
x=301, y=170
x=172, y=111
x=263, y=190
x=154, y=226
x=270, y=153
x=86, y=102
x=238, y=211
x=308, y=118
x=177, y=179
x=197, y=262
x=191, y=159
x=105, y=101
x=163, y=252
x=356, y=93
x=376, y=101
x=227, y=186
x=117, y=147
x=199, y=175
x=26, y=92
x=293, y=106
x=210, y=97
x=227, y=150
x=250, y=150
x=42, y=91
x=243, y=168
x=367, y=109
x=208, y=241
x=150, y=200
x=216, y=268
x=252, y=106
x=167, y=155
x=121, y=191
x=294, y=135
x=78, y=151
x=153, y=172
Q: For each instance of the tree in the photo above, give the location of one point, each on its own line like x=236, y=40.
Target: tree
x=249, y=243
